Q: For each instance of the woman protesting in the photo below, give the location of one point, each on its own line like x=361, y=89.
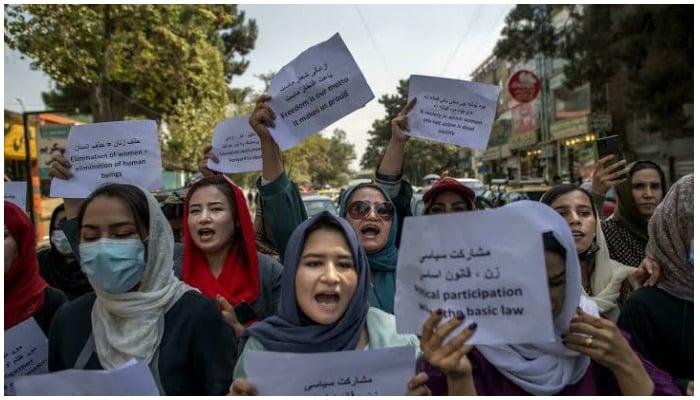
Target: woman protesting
x=590, y=355
x=220, y=256
x=139, y=309
x=324, y=302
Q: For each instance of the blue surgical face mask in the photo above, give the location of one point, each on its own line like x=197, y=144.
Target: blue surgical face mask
x=113, y=265
x=60, y=242
x=690, y=255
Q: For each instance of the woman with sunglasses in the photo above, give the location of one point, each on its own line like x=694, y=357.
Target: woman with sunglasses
x=375, y=211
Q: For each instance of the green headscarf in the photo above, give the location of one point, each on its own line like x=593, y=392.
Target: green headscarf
x=626, y=212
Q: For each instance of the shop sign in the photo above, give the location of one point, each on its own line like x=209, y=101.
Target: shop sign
x=524, y=86
x=523, y=139
x=569, y=127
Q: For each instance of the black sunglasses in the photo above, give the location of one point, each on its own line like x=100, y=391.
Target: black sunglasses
x=360, y=209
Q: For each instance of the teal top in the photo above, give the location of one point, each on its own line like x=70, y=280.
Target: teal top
x=381, y=327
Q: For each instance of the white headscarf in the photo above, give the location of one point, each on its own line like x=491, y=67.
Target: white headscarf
x=607, y=277
x=546, y=368
x=130, y=325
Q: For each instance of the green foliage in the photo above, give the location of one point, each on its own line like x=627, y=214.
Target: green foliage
x=191, y=128
x=319, y=160
x=132, y=59
x=648, y=46
x=421, y=157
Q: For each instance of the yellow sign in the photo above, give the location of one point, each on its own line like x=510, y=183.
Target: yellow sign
x=14, y=143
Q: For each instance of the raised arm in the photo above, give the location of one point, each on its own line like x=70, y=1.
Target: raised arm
x=282, y=207
x=60, y=169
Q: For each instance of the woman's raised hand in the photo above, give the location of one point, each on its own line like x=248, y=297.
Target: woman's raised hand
x=606, y=176
x=262, y=118
x=601, y=340
x=451, y=357
x=399, y=124
x=242, y=387
x=417, y=386
x=202, y=164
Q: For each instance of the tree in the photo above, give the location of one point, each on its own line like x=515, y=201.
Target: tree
x=655, y=45
x=191, y=127
x=648, y=46
x=132, y=60
x=421, y=157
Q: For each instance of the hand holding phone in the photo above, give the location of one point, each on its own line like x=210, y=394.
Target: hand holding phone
x=611, y=145
x=610, y=170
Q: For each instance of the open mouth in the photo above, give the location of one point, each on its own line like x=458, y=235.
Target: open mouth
x=327, y=301
x=370, y=231
x=205, y=233
x=578, y=235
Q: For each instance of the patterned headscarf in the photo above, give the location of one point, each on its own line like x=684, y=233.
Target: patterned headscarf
x=670, y=233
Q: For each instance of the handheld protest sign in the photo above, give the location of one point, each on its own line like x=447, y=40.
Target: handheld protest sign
x=372, y=372
x=237, y=146
x=493, y=272
x=452, y=111
x=16, y=193
x=26, y=352
x=115, y=152
x=319, y=87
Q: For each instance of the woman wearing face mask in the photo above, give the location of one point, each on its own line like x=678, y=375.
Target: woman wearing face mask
x=26, y=294
x=660, y=318
x=379, y=209
x=58, y=265
x=324, y=302
x=139, y=310
x=606, y=281
x=220, y=254
x=590, y=356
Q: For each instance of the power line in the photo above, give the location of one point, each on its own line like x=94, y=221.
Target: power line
x=495, y=23
x=374, y=43
x=464, y=37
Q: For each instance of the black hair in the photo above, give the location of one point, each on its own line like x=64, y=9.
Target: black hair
x=220, y=183
x=646, y=164
x=54, y=215
x=131, y=195
x=552, y=244
x=557, y=191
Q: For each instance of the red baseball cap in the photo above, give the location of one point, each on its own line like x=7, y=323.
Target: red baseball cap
x=448, y=184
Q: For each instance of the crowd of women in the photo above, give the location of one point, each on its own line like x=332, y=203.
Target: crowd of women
x=114, y=286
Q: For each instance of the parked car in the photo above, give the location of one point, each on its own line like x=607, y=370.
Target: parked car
x=316, y=204
x=474, y=184
x=417, y=204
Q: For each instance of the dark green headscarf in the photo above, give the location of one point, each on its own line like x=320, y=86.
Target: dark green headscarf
x=626, y=211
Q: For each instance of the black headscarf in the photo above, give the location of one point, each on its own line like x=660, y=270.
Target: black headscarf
x=58, y=273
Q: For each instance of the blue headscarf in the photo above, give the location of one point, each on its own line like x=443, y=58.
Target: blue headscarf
x=289, y=330
x=383, y=262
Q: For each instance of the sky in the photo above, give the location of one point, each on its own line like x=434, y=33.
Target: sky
x=388, y=42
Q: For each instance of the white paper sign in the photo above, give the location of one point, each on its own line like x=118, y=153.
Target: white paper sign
x=26, y=352
x=117, y=152
x=493, y=272
x=380, y=372
x=16, y=193
x=131, y=379
x=452, y=111
x=237, y=146
x=320, y=86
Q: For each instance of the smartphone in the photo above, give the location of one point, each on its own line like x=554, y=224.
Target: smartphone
x=244, y=312
x=610, y=145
